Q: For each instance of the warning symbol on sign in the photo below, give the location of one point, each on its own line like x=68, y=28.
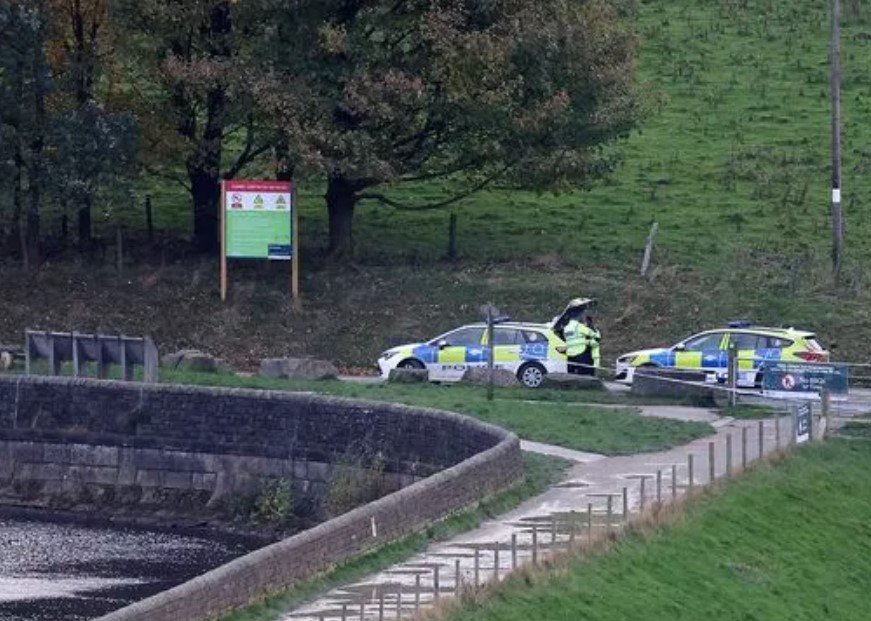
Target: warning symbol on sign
x=258, y=202
x=280, y=203
x=788, y=382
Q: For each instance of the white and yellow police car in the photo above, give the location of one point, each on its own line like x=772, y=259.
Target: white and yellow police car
x=529, y=350
x=708, y=351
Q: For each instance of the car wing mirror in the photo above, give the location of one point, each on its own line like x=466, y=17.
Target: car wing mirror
x=442, y=343
x=680, y=347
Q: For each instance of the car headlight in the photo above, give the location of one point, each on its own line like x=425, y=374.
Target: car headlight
x=388, y=355
x=626, y=359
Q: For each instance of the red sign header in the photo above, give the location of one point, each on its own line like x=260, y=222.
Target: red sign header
x=258, y=186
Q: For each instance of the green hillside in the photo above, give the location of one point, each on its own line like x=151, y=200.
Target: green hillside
x=732, y=163
x=787, y=542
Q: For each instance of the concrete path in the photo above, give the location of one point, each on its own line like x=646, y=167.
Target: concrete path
x=558, y=451
x=597, y=493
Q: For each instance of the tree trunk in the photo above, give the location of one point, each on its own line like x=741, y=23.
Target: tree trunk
x=206, y=194
x=204, y=166
x=283, y=164
x=18, y=223
x=85, y=222
x=341, y=200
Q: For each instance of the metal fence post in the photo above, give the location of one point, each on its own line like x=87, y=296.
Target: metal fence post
x=761, y=439
x=513, y=550
x=777, y=432
x=674, y=482
x=733, y=375
x=712, y=463
x=534, y=544
x=436, y=591
x=658, y=487
x=690, y=467
x=625, y=504
x=744, y=448
x=728, y=454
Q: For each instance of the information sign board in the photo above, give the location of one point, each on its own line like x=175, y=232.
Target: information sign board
x=258, y=219
x=792, y=379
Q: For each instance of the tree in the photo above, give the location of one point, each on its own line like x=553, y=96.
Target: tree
x=24, y=85
x=186, y=50
x=76, y=55
x=372, y=92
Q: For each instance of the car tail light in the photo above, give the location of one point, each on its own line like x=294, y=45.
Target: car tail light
x=811, y=356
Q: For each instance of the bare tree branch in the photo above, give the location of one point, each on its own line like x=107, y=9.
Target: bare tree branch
x=437, y=205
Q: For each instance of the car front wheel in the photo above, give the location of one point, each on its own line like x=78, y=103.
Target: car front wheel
x=410, y=363
x=531, y=375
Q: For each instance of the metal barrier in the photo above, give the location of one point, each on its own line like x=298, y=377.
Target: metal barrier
x=80, y=349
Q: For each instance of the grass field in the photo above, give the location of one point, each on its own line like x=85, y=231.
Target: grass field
x=732, y=164
x=789, y=541
x=552, y=418
x=541, y=472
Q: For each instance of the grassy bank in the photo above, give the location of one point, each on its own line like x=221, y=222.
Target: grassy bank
x=732, y=164
x=552, y=417
x=541, y=472
x=788, y=541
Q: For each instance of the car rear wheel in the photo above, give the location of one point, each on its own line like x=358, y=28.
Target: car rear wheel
x=410, y=363
x=531, y=375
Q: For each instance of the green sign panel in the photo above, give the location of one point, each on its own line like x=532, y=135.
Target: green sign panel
x=257, y=216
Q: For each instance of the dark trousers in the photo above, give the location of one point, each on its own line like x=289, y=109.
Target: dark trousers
x=582, y=364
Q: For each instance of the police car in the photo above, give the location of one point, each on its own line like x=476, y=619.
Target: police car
x=709, y=351
x=529, y=350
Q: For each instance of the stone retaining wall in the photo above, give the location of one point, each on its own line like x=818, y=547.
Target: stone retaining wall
x=114, y=433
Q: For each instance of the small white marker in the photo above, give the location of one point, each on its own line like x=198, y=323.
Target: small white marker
x=836, y=195
x=374, y=528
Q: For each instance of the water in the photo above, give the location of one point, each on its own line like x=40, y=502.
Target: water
x=52, y=571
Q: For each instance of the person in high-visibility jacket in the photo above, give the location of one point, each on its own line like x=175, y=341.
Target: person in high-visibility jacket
x=579, y=351
x=595, y=339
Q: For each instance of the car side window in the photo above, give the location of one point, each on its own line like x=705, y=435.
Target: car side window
x=531, y=336
x=505, y=336
x=705, y=342
x=774, y=342
x=465, y=337
x=744, y=340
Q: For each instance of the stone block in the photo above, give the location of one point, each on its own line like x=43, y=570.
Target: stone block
x=688, y=386
x=148, y=478
x=49, y=472
x=92, y=455
x=481, y=375
x=127, y=467
x=177, y=480
x=203, y=481
x=408, y=376
x=317, y=471
x=298, y=368
x=56, y=453
x=195, y=360
x=27, y=451
x=103, y=475
x=568, y=381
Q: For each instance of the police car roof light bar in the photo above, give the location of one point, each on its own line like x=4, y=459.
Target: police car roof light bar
x=742, y=323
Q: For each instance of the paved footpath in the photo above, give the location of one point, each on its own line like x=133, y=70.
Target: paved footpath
x=596, y=493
